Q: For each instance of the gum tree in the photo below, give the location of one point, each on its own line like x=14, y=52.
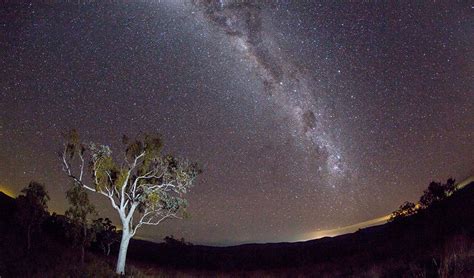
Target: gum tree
x=32, y=209
x=146, y=188
x=106, y=234
x=79, y=211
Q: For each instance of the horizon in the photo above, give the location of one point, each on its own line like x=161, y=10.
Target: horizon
x=318, y=234
x=302, y=115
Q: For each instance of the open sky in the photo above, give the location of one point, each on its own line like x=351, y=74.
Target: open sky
x=304, y=116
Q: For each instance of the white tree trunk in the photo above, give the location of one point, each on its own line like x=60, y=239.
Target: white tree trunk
x=123, y=252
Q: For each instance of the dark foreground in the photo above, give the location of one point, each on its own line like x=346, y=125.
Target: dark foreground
x=436, y=242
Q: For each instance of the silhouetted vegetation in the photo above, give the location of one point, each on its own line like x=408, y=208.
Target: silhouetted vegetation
x=406, y=209
x=435, y=192
x=105, y=234
x=171, y=241
x=81, y=232
x=32, y=210
x=437, y=241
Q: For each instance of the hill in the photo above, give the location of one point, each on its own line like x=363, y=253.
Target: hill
x=7, y=207
x=422, y=239
x=435, y=242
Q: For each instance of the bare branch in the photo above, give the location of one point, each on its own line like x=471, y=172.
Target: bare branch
x=82, y=166
x=151, y=221
x=134, y=165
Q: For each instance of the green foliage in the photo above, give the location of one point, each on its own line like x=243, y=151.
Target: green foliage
x=154, y=198
x=162, y=179
x=73, y=144
x=80, y=207
x=146, y=182
x=152, y=148
x=121, y=179
x=104, y=170
x=170, y=176
x=80, y=232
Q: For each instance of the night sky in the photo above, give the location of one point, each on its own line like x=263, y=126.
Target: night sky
x=303, y=116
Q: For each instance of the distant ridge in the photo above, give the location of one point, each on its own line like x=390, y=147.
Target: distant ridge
x=423, y=240
x=365, y=224
x=465, y=182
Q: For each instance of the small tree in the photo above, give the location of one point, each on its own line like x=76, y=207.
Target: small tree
x=437, y=191
x=171, y=241
x=106, y=234
x=80, y=231
x=32, y=209
x=450, y=186
x=145, y=189
x=406, y=209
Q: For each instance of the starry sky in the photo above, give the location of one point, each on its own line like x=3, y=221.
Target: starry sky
x=304, y=116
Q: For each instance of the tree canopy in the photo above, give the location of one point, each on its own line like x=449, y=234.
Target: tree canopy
x=435, y=192
x=145, y=188
x=81, y=231
x=32, y=208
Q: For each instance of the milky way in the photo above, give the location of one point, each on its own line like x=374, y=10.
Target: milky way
x=305, y=116
x=286, y=85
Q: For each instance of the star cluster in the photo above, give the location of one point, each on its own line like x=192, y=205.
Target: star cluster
x=304, y=116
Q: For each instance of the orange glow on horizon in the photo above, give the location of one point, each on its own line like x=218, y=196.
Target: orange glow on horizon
x=7, y=191
x=374, y=222
x=346, y=229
